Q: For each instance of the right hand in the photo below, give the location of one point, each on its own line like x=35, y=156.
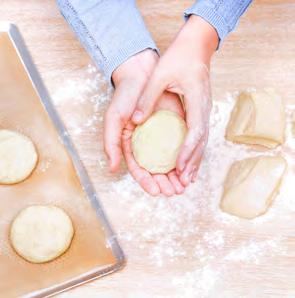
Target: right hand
x=184, y=69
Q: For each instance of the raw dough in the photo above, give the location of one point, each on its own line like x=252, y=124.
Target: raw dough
x=156, y=143
x=258, y=119
x=41, y=233
x=18, y=157
x=251, y=185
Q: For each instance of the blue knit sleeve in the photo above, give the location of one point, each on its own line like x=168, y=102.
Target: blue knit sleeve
x=223, y=15
x=110, y=30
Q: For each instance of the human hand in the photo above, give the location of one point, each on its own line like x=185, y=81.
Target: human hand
x=129, y=79
x=167, y=184
x=184, y=69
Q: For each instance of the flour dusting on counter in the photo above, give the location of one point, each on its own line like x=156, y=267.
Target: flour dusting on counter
x=188, y=231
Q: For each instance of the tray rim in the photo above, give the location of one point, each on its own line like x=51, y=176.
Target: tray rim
x=45, y=99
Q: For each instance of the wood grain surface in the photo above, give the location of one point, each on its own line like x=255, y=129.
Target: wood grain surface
x=260, y=53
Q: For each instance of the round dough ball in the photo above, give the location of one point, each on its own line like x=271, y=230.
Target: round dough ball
x=41, y=233
x=156, y=142
x=18, y=157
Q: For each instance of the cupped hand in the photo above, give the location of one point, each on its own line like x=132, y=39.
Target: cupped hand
x=155, y=184
x=184, y=69
x=129, y=80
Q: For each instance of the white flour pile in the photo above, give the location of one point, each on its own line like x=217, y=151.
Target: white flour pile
x=186, y=232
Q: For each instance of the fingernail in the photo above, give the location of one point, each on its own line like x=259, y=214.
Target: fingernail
x=181, y=168
x=111, y=165
x=155, y=190
x=186, y=179
x=137, y=116
x=179, y=190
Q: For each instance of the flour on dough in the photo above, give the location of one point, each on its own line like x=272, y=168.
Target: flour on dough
x=258, y=119
x=41, y=233
x=251, y=185
x=18, y=157
x=157, y=142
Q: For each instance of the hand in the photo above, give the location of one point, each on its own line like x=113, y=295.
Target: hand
x=184, y=69
x=154, y=184
x=129, y=79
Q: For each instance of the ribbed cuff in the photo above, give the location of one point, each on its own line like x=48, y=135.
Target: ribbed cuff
x=211, y=16
x=110, y=31
x=125, y=51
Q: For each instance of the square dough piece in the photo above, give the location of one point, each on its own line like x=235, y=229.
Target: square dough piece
x=258, y=118
x=251, y=185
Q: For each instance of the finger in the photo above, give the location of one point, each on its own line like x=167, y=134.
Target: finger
x=113, y=127
x=187, y=175
x=191, y=141
x=145, y=105
x=197, y=103
x=116, y=118
x=165, y=185
x=143, y=177
x=194, y=162
x=179, y=189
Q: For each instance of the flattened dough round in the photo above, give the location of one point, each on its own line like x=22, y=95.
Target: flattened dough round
x=258, y=119
x=41, y=233
x=252, y=185
x=156, y=142
x=18, y=157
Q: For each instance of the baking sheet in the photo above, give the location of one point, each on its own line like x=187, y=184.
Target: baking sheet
x=59, y=179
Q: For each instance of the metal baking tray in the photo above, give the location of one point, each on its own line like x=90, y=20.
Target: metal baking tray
x=58, y=179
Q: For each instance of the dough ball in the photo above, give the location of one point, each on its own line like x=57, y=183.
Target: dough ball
x=41, y=233
x=258, y=119
x=156, y=142
x=18, y=157
x=251, y=185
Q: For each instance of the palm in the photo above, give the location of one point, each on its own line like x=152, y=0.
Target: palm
x=167, y=184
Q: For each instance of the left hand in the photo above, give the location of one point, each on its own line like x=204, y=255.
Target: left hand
x=184, y=69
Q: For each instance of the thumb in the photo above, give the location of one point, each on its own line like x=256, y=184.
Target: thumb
x=146, y=103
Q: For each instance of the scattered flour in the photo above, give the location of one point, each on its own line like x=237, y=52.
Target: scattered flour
x=198, y=283
x=253, y=250
x=89, y=89
x=187, y=229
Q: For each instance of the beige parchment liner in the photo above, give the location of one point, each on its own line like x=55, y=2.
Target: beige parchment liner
x=54, y=181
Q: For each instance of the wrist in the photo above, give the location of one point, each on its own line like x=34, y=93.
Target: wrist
x=201, y=36
x=138, y=67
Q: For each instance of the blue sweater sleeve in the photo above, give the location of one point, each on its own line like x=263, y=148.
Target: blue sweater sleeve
x=223, y=15
x=110, y=30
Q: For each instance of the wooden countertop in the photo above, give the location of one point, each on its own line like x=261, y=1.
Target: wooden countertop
x=260, y=53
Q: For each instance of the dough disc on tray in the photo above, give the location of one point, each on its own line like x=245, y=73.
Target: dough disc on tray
x=18, y=157
x=41, y=233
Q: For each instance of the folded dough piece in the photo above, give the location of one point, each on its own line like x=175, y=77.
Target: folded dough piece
x=251, y=185
x=258, y=119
